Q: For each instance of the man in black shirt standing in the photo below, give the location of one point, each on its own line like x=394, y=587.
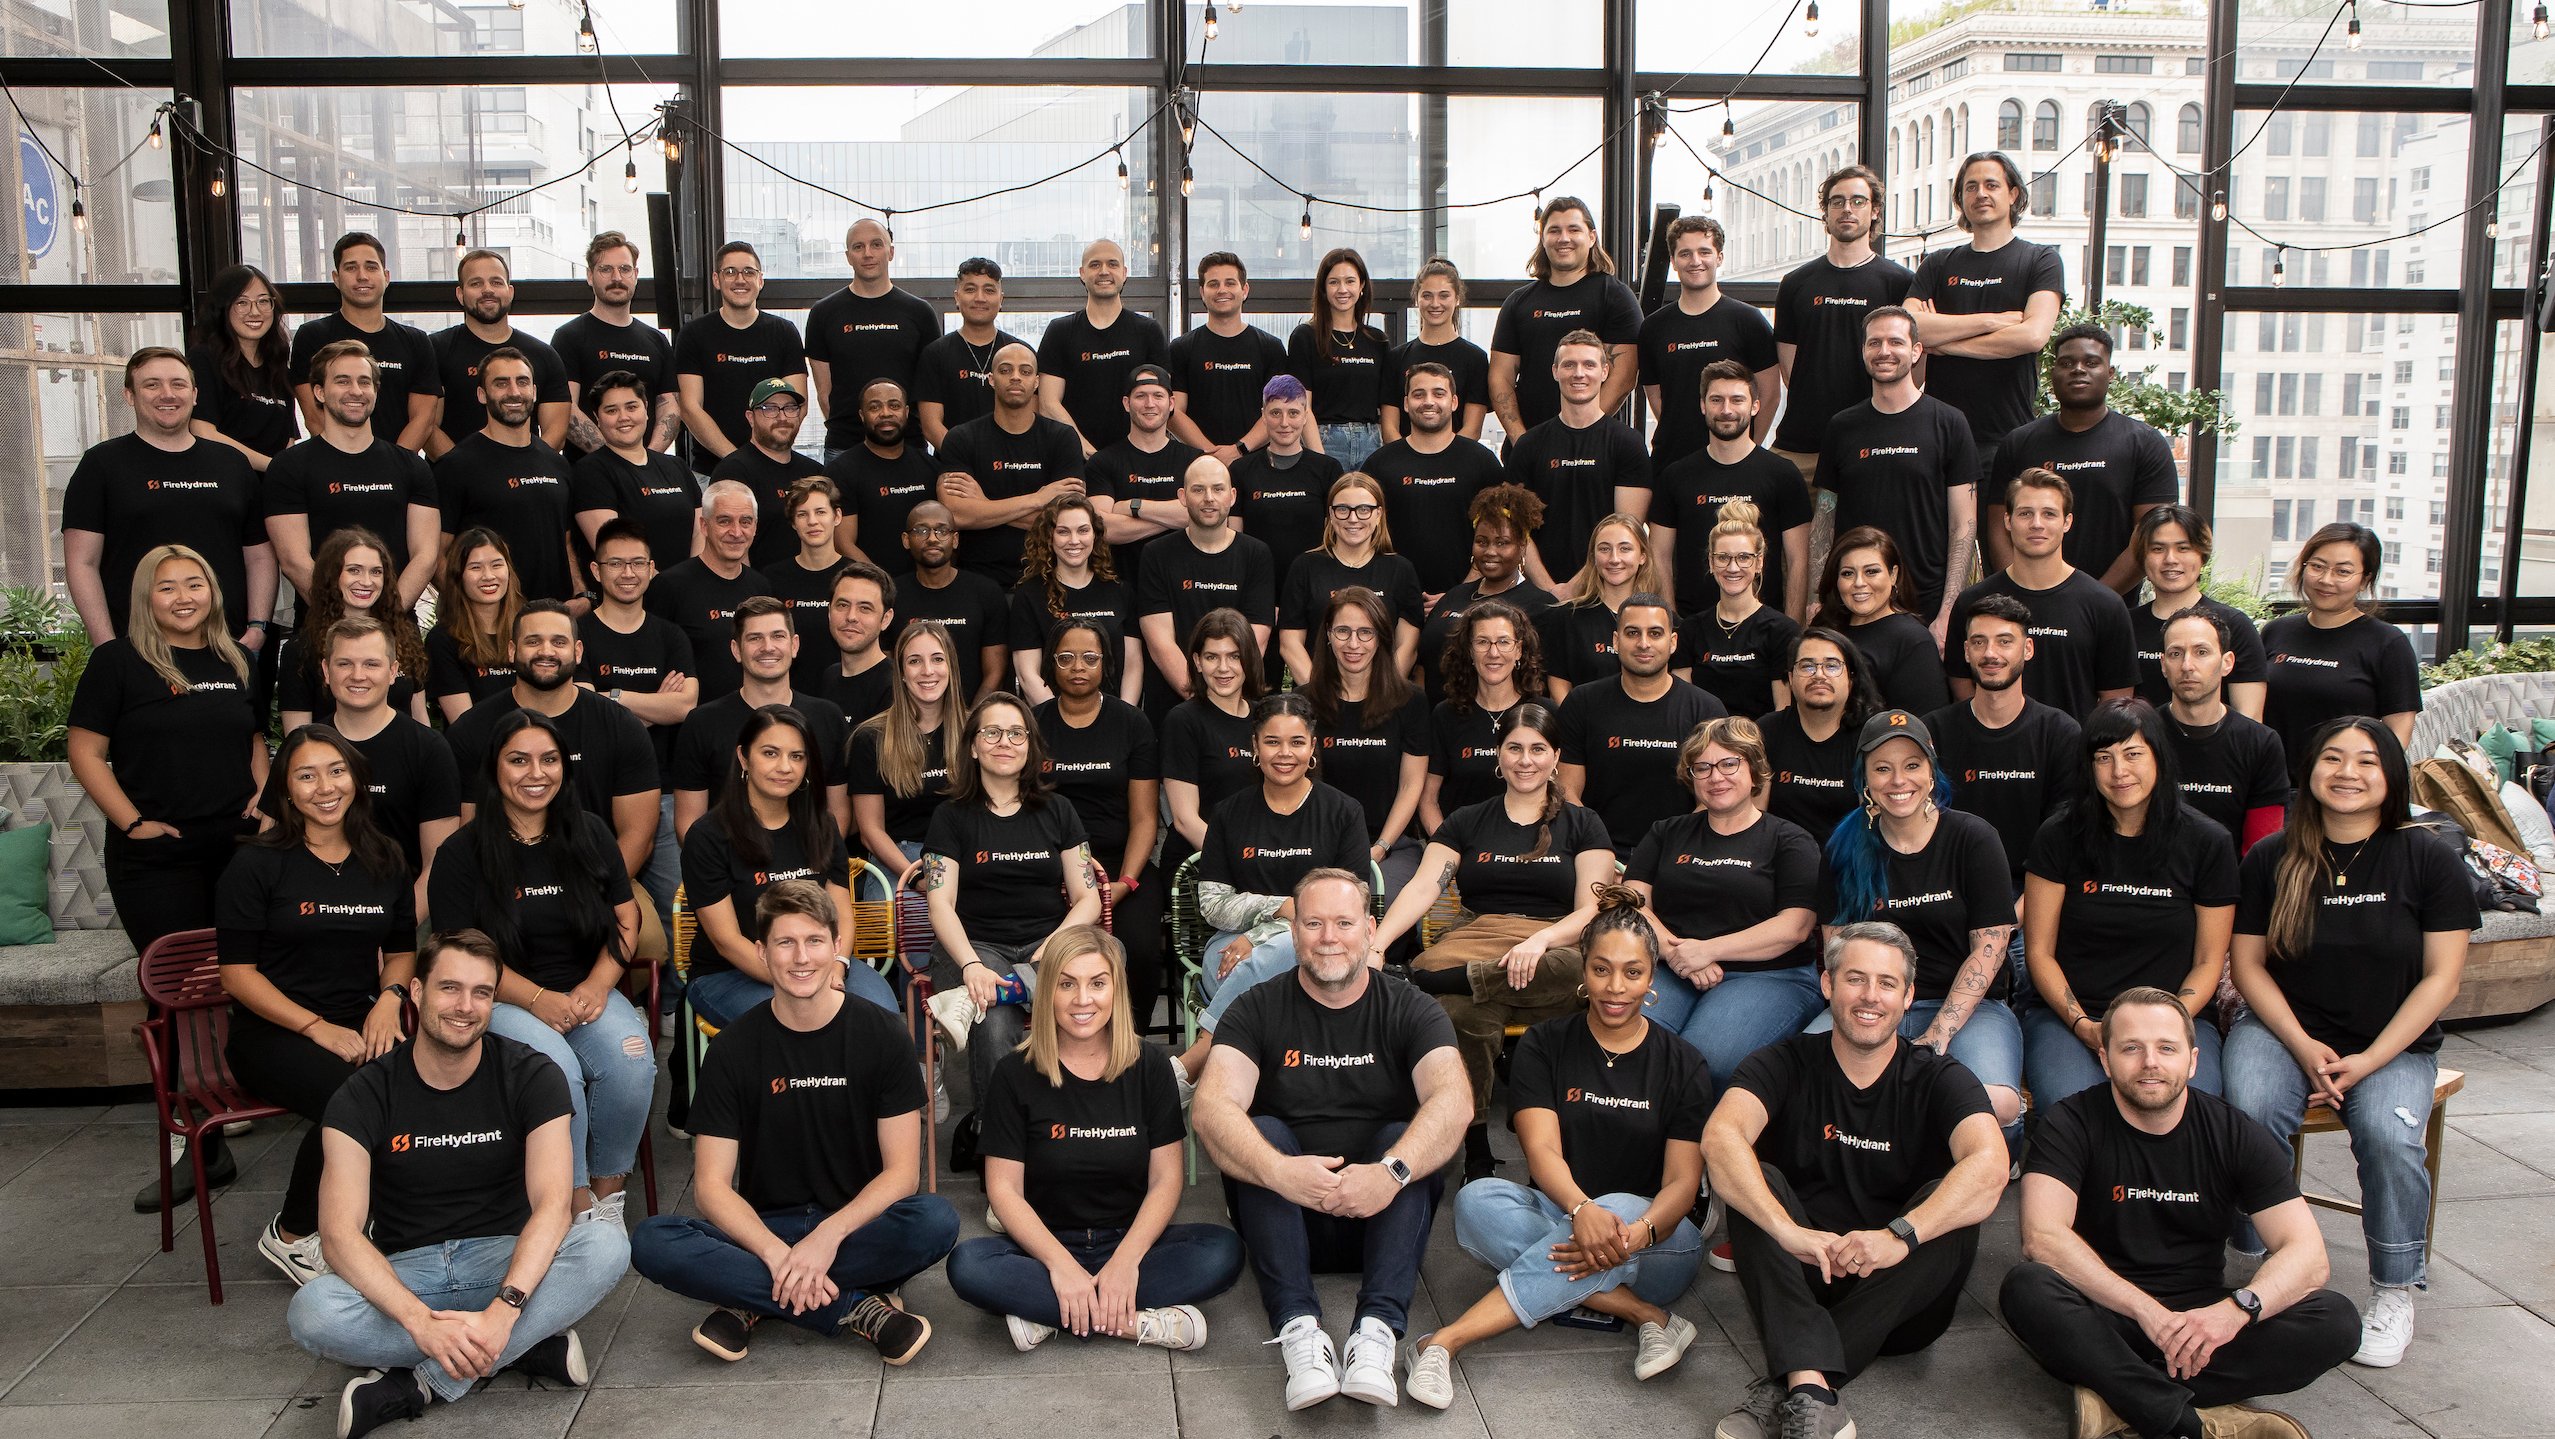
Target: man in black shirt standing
x=2082, y=651
x=1331, y=1101
x=765, y=647
x=881, y=479
x=1085, y=357
x=768, y=465
x=606, y=338
x=973, y=608
x=806, y=1151
x=2128, y=1196
x=1145, y=469
x=1575, y=289
x=1984, y=309
x=411, y=388
x=720, y=357
x=2234, y=769
x=1218, y=369
x=1699, y=328
x=2013, y=759
x=1430, y=476
x=1819, y=310
x=1583, y=463
x=953, y=381
x=2121, y=467
x=1857, y=1168
x=643, y=663
x=869, y=330
x=1208, y=565
x=1903, y=462
x=1686, y=500
x=1620, y=737
x=487, y=295
x=863, y=613
x=443, y=1210
x=346, y=476
x=997, y=473
x=506, y=478
x=701, y=594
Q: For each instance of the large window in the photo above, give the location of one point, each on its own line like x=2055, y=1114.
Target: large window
x=1047, y=29
x=1768, y=196
x=61, y=391
x=2393, y=194
x=131, y=236
x=441, y=27
x=103, y=28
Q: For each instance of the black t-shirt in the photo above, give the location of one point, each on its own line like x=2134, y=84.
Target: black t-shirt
x=1688, y=500
x=1575, y=472
x=1109, y=604
x=1526, y=596
x=458, y=353
x=1318, y=575
x=1222, y=375
x=1906, y=667
x=2081, y=640
x=663, y=499
x=447, y=673
x=414, y=782
x=1281, y=501
x=1094, y=364
x=1470, y=362
x=1740, y=667
x=180, y=757
x=2229, y=770
x=1006, y=466
x=1206, y=747
x=1362, y=755
x=2014, y=777
x=521, y=492
x=1463, y=752
x=1093, y=765
x=608, y=748
x=714, y=870
x=2157, y=1208
x=2365, y=953
x=1956, y=883
x=448, y=1163
x=810, y=596
x=906, y=816
x=1813, y=779
x=548, y=949
x=2147, y=637
x=1348, y=386
x=1996, y=395
x=1186, y=582
x=861, y=695
x=2365, y=667
x=878, y=495
x=1533, y=319
x=1893, y=472
x=1492, y=870
x=971, y=607
x=2113, y=469
x=316, y=933
x=638, y=662
x=705, y=747
x=1819, y=310
x=299, y=684
x=590, y=349
x=804, y=1107
x=1010, y=867
x=1256, y=850
x=1427, y=498
x=1705, y=884
x=137, y=497
x=1084, y=1146
x=1579, y=641
x=770, y=480
x=1335, y=1076
x=263, y=422
x=405, y=355
x=862, y=340
x=1124, y=473
x=957, y=375
x=1857, y=1157
x=334, y=491
x=2129, y=918
x=703, y=606
x=1629, y=749
x=1618, y=1112
x=732, y=361
x=1675, y=348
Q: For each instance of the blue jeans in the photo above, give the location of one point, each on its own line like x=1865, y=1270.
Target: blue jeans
x=1269, y=959
x=1990, y=1045
x=2387, y=1116
x=610, y=1063
x=1513, y=1228
x=1350, y=442
x=659, y=878
x=1289, y=1245
x=691, y=1257
x=331, y=1319
x=1742, y=1014
x=723, y=997
x=2057, y=1063
x=1189, y=1264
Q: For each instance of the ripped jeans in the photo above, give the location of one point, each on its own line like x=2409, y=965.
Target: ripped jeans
x=2387, y=1116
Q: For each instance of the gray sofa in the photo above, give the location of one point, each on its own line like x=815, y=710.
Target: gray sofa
x=2510, y=966
x=67, y=1009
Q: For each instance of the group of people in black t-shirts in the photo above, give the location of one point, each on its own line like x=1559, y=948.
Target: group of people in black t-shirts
x=1774, y=863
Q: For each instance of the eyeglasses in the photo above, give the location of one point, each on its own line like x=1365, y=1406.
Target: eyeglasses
x=1078, y=657
x=733, y=272
x=1003, y=734
x=1353, y=512
x=624, y=567
x=1353, y=634
x=254, y=302
x=1736, y=562
x=1728, y=767
x=1494, y=644
x=1830, y=668
x=778, y=407
x=1847, y=202
x=927, y=531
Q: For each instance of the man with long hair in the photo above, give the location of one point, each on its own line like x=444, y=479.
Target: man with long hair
x=1574, y=289
x=1984, y=309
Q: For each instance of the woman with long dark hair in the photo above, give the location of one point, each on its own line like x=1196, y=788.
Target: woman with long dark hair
x=2351, y=938
x=1493, y=663
x=2128, y=887
x=1371, y=727
x=318, y=928
x=2335, y=655
x=1102, y=756
x=1739, y=646
x=626, y=480
x=1341, y=359
x=1437, y=302
x=1579, y=633
x=1356, y=549
x=1068, y=573
x=542, y=876
x=470, y=653
x=1504, y=518
x=902, y=756
x=2173, y=544
x=1206, y=738
x=242, y=359
x=351, y=576
x=1864, y=595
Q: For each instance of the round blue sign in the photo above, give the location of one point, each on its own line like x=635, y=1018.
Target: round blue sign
x=39, y=198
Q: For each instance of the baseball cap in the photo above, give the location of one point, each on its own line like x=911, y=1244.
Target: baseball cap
x=1143, y=375
x=767, y=388
x=1888, y=725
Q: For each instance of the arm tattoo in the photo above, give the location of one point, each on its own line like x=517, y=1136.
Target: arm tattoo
x=1090, y=870
x=1977, y=976
x=936, y=873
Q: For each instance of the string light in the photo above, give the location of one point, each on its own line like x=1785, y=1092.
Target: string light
x=1122, y=167
x=79, y=211
x=157, y=142
x=2493, y=228
x=1232, y=7
x=1707, y=195
x=1304, y=222
x=2351, y=32
x=460, y=245
x=2279, y=267
x=221, y=184
x=1188, y=127
x=2218, y=205
x=667, y=142
x=1210, y=9
x=1810, y=20
x=1729, y=126
x=585, y=32
x=1188, y=182
x=630, y=175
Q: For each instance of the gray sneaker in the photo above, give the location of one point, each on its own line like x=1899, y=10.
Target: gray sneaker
x=1803, y=1417
x=1754, y=1418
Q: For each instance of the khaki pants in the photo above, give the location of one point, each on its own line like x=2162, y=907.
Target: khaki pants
x=1482, y=1017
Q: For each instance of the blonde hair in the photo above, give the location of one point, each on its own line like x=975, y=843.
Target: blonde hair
x=1126, y=1047
x=1735, y=733
x=902, y=748
x=1358, y=480
x=142, y=625
x=1645, y=580
x=1739, y=518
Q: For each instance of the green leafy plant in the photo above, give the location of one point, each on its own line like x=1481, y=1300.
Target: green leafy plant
x=43, y=649
x=2520, y=657
x=2133, y=392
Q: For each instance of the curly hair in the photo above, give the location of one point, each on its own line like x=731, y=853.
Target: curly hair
x=1038, y=550
x=1513, y=506
x=328, y=606
x=1457, y=662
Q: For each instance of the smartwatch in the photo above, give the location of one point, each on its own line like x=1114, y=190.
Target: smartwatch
x=2249, y=1302
x=1904, y=1230
x=1400, y=1171
x=511, y=1297
x=1135, y=508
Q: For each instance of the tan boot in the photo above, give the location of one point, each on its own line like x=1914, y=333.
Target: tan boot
x=2244, y=1421
x=2094, y=1419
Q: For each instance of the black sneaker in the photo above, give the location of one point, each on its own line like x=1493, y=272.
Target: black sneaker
x=377, y=1398
x=725, y=1333
x=561, y=1359
x=220, y=1168
x=899, y=1335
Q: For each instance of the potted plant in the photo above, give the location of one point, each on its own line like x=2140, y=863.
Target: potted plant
x=43, y=649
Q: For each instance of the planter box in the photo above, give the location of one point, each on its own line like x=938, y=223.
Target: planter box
x=46, y=792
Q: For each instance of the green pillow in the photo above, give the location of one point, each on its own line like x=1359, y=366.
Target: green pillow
x=2500, y=745
x=26, y=883
x=2541, y=732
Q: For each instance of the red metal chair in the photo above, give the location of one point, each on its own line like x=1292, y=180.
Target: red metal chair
x=191, y=1081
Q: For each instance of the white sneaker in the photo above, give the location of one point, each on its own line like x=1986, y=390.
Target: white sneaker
x=2386, y=1331
x=1369, y=1368
x=1027, y=1334
x=1662, y=1345
x=612, y=1209
x=940, y=1095
x=1432, y=1378
x=1188, y=1086
x=1178, y=1326
x=1312, y=1365
x=301, y=1260
x=993, y=1221
x=954, y=1010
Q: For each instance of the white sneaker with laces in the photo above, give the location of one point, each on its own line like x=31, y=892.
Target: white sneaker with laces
x=1188, y=1086
x=1027, y=1334
x=1312, y=1365
x=2386, y=1330
x=954, y=1010
x=1662, y=1345
x=1369, y=1364
x=1176, y=1326
x=612, y=1209
x=300, y=1259
x=1432, y=1377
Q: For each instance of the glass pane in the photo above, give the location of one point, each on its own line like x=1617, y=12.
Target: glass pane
x=2516, y=209
x=906, y=147
x=985, y=29
x=1767, y=196
x=2419, y=44
x=61, y=391
x=2501, y=438
x=104, y=28
x=1666, y=37
x=1405, y=32
x=132, y=225
x=2361, y=180
x=2532, y=59
x=441, y=149
x=439, y=27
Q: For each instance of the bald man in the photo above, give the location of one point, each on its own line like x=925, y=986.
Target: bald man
x=997, y=473
x=1205, y=565
x=1084, y=359
x=868, y=330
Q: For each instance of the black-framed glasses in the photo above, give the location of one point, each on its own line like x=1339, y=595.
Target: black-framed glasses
x=1728, y=766
x=1003, y=734
x=1354, y=512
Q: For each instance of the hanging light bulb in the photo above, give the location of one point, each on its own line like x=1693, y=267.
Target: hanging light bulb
x=2279, y=267
x=1304, y=222
x=2493, y=228
x=1188, y=182
x=221, y=184
x=1810, y=19
x=157, y=142
x=2351, y=32
x=460, y=245
x=2537, y=20
x=585, y=32
x=2218, y=205
x=1122, y=167
x=1729, y=126
x=630, y=175
x=79, y=211
x=1232, y=7
x=1210, y=9
x=670, y=145
x=1707, y=196
x=1188, y=127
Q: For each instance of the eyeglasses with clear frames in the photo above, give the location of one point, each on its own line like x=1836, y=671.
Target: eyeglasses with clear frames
x=626, y=566
x=1830, y=668
x=738, y=272
x=928, y=531
x=1353, y=634
x=254, y=303
x=1847, y=202
x=1736, y=562
x=1494, y=644
x=1003, y=734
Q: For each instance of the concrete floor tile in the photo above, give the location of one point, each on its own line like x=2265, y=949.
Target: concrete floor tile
x=239, y=1216
x=72, y=1113
x=1238, y=1328
x=653, y=1346
x=196, y=1419
x=2509, y=1243
x=165, y=1343
x=504, y=1409
x=2496, y=1083
x=2336, y=1406
x=75, y=1243
x=98, y=1161
x=2527, y=1139
x=2453, y=1285
x=1125, y=1406
x=38, y=1319
x=2471, y=1168
x=1221, y=1402
x=1556, y=1396
x=1969, y=1382
x=23, y=1144
x=966, y=1340
x=841, y=1410
x=2471, y=1373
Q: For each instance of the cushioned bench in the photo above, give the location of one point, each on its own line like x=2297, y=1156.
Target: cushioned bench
x=2510, y=968
x=67, y=1011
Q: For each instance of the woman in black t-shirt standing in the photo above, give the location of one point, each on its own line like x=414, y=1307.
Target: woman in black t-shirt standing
x=1341, y=359
x=625, y=480
x=1067, y=573
x=470, y=653
x=1739, y=647
x=1610, y=1109
x=1864, y=595
x=902, y=756
x=1081, y=1137
x=1206, y=739
x=1371, y=727
x=2173, y=544
x=1356, y=550
x=1102, y=756
x=1493, y=663
x=1579, y=632
x=2336, y=656
x=243, y=367
x=318, y=926
x=350, y=575
x=1503, y=518
x=2351, y=938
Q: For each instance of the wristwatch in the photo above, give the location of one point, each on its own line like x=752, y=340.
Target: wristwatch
x=1400, y=1171
x=1135, y=508
x=1904, y=1230
x=511, y=1297
x=2249, y=1302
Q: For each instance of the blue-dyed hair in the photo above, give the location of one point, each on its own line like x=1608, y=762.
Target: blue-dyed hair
x=1860, y=859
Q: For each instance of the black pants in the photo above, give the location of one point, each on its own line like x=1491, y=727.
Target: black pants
x=284, y=1068
x=1839, y=1326
x=1137, y=922
x=2080, y=1342
x=162, y=886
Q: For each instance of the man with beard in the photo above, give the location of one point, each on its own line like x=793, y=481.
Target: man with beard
x=1620, y=736
x=701, y=594
x=606, y=338
x=871, y=329
x=1208, y=565
x=1220, y=370
x=862, y=610
x=1331, y=1101
x=973, y=608
x=1810, y=743
x=1903, y=462
x=487, y=295
x=1686, y=502
x=346, y=476
x=997, y=473
x=1141, y=471
x=954, y=379
x=511, y=480
x=765, y=646
x=2120, y=467
x=443, y=1210
x=2234, y=769
x=1698, y=329
x=1583, y=463
x=722, y=358
x=2128, y=1196
x=768, y=465
x=1819, y=310
x=2082, y=650
x=882, y=478
x=1574, y=288
x=410, y=388
x=1857, y=1167
x=1430, y=476
x=1085, y=357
